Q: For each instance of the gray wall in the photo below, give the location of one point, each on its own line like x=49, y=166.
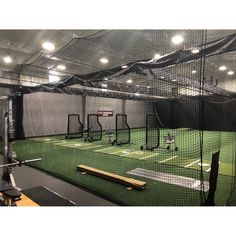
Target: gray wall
x=46, y=113
x=98, y=103
x=136, y=112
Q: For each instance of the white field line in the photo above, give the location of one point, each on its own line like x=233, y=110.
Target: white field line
x=126, y=154
x=192, y=163
x=148, y=156
x=90, y=147
x=73, y=144
x=103, y=149
x=208, y=169
x=115, y=152
x=168, y=159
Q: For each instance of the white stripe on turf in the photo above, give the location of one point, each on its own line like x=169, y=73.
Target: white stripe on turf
x=148, y=156
x=115, y=152
x=90, y=147
x=103, y=149
x=167, y=159
x=208, y=169
x=194, y=162
x=126, y=154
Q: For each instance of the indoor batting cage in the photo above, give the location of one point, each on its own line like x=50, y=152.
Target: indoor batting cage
x=139, y=117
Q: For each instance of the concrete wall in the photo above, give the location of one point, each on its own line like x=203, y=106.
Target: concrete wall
x=93, y=104
x=136, y=112
x=46, y=113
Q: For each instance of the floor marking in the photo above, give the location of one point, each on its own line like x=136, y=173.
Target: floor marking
x=148, y=156
x=103, y=149
x=126, y=154
x=203, y=164
x=90, y=147
x=168, y=159
x=208, y=169
x=192, y=163
x=115, y=152
x=168, y=178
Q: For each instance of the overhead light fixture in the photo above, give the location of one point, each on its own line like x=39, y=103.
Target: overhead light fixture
x=61, y=67
x=148, y=87
x=230, y=72
x=157, y=56
x=106, y=79
x=195, y=50
x=53, y=78
x=222, y=68
x=129, y=81
x=177, y=39
x=124, y=66
x=194, y=71
x=137, y=94
x=48, y=46
x=162, y=77
x=7, y=59
x=173, y=80
x=104, y=60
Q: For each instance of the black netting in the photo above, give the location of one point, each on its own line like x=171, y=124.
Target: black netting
x=122, y=129
x=174, y=100
x=74, y=127
x=94, y=128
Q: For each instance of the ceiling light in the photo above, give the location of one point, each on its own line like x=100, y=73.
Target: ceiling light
x=7, y=59
x=157, y=56
x=178, y=39
x=48, y=46
x=61, y=67
x=106, y=79
x=222, y=68
x=162, y=77
x=129, y=81
x=124, y=66
x=173, y=80
x=230, y=72
x=137, y=94
x=195, y=50
x=53, y=78
x=104, y=60
x=194, y=71
x=148, y=87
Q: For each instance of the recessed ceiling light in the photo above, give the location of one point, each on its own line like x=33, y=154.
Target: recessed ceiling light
x=157, y=56
x=137, y=94
x=106, y=79
x=129, y=81
x=124, y=66
x=230, y=72
x=177, y=39
x=194, y=71
x=48, y=46
x=195, y=50
x=173, y=80
x=7, y=59
x=53, y=78
x=222, y=68
x=162, y=77
x=104, y=60
x=61, y=67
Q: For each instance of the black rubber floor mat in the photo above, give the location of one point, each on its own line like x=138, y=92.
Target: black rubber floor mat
x=45, y=197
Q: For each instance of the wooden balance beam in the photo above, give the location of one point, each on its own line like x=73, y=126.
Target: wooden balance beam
x=132, y=183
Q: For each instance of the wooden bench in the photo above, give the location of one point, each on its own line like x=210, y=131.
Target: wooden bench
x=132, y=183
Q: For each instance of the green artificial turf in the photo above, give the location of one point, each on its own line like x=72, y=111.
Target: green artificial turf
x=60, y=158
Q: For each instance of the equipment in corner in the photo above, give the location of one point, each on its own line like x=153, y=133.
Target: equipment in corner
x=8, y=189
x=153, y=136
x=122, y=130
x=74, y=127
